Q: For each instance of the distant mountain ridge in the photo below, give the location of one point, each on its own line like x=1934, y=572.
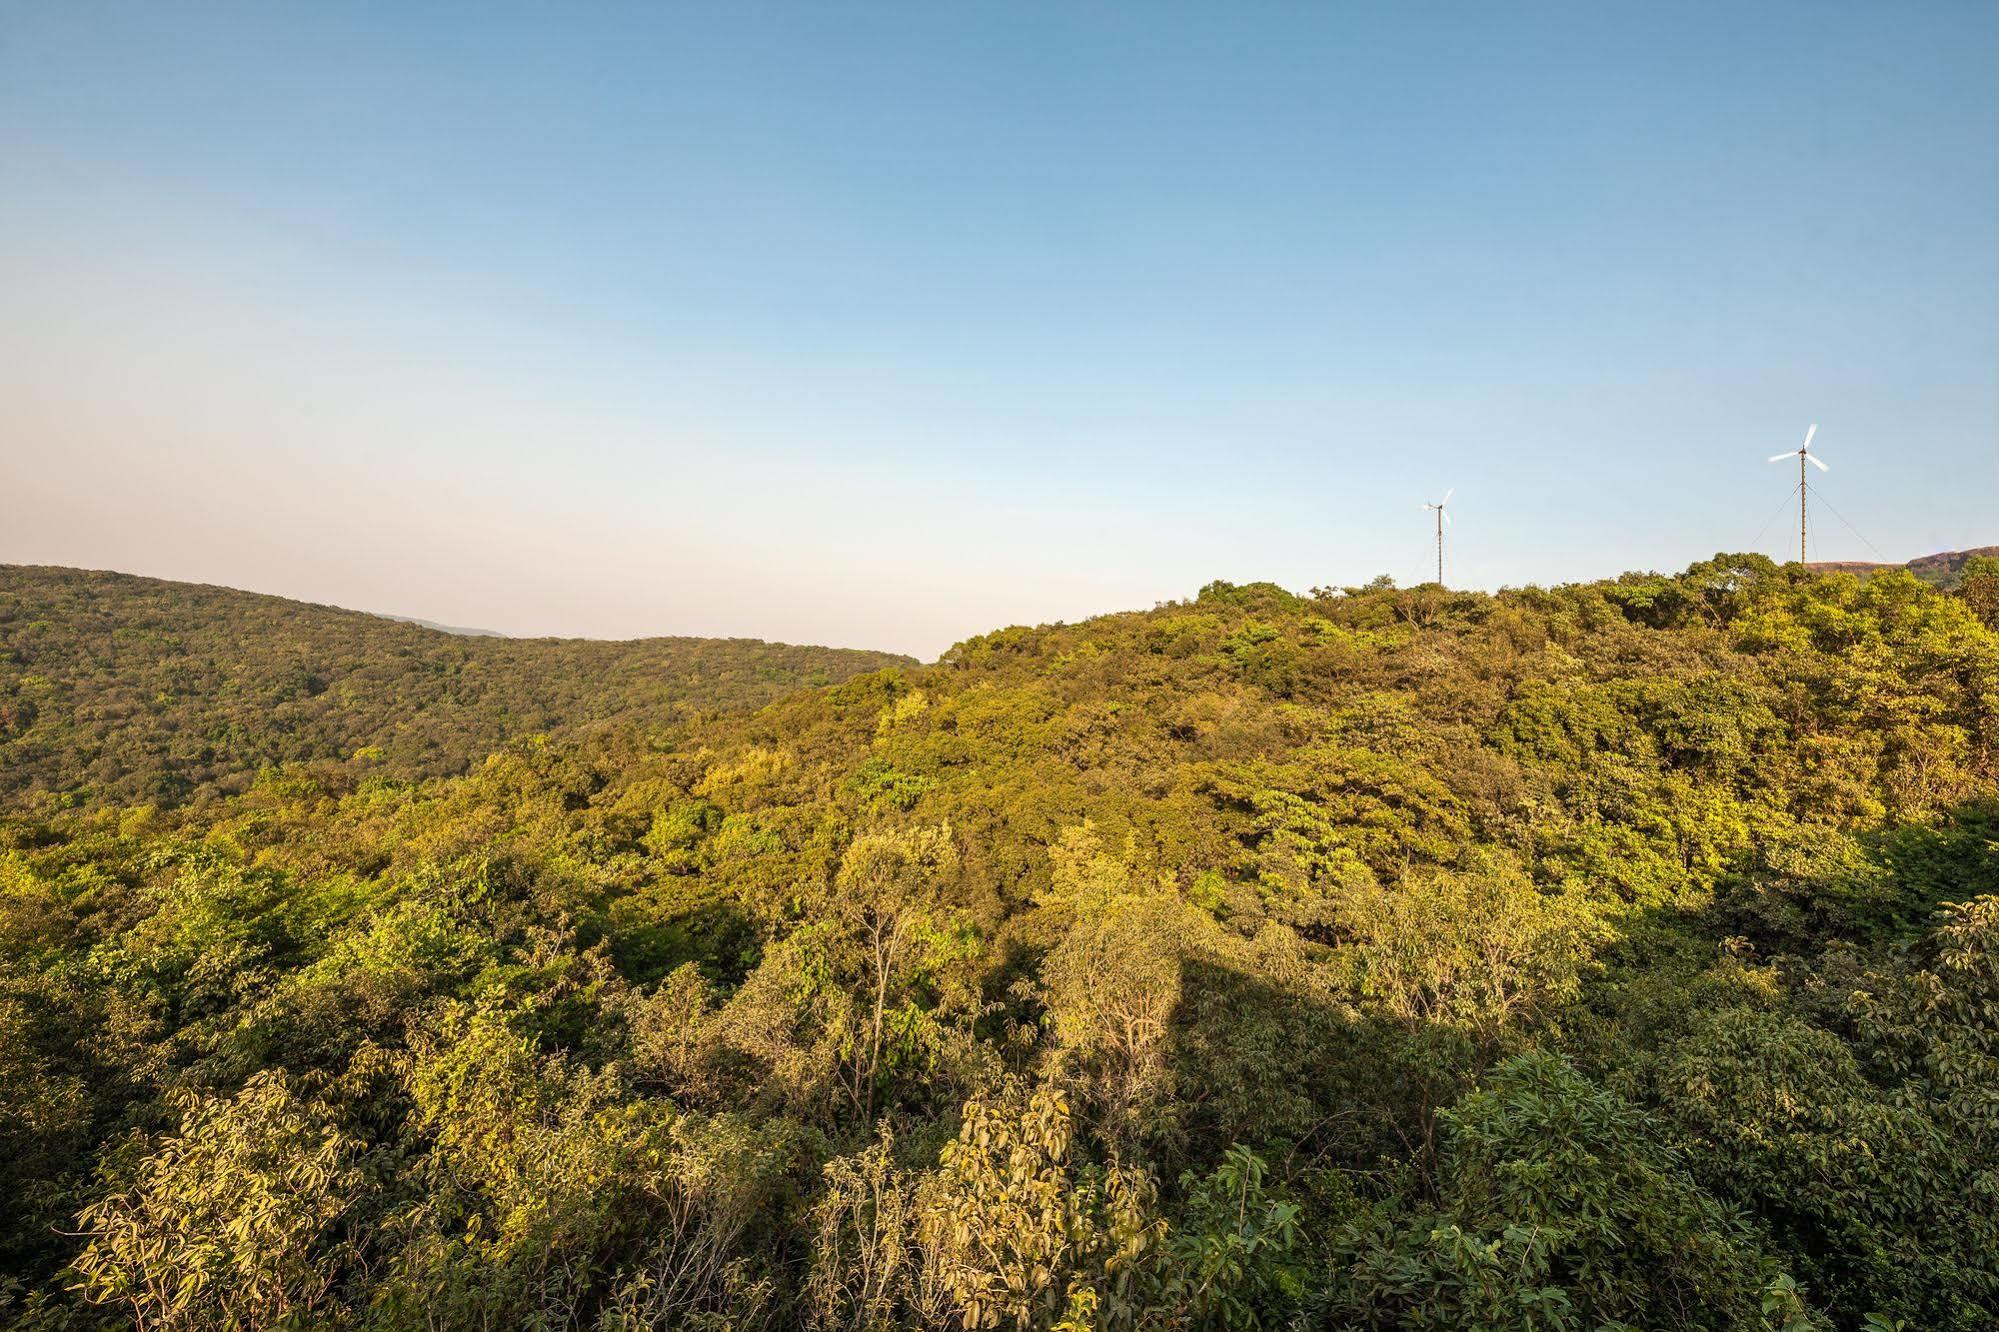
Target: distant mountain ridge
x=460, y=630
x=117, y=687
x=1944, y=568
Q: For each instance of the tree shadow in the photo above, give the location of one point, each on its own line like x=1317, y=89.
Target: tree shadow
x=718, y=935
x=1869, y=889
x=1304, y=1080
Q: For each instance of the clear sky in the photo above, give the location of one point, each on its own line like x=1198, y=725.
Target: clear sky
x=885, y=325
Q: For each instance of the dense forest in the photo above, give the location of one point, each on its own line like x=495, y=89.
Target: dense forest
x=135, y=690
x=1602, y=957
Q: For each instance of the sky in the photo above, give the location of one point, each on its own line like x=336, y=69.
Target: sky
x=886, y=325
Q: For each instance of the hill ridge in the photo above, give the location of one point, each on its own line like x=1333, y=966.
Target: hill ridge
x=1941, y=568
x=135, y=688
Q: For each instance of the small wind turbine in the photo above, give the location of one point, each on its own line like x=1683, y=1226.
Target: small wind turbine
x=1803, y=453
x=1443, y=521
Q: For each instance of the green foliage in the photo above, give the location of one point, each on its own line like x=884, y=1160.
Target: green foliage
x=1979, y=586
x=1598, y=956
x=1023, y=1238
x=1476, y=950
x=1561, y=1209
x=1235, y=1258
x=1870, y=1157
x=137, y=690
x=230, y=1222
x=871, y=1269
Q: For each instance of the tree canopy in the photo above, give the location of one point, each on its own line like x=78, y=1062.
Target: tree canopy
x=135, y=690
x=1617, y=955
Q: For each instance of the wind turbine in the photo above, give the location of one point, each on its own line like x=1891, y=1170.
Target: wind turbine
x=1803, y=453
x=1443, y=521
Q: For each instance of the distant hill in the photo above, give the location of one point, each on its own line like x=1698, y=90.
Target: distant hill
x=1943, y=568
x=137, y=689
x=441, y=628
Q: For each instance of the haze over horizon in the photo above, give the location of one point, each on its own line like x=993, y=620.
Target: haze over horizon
x=889, y=326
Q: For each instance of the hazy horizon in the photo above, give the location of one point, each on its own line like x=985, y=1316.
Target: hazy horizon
x=886, y=327
x=473, y=630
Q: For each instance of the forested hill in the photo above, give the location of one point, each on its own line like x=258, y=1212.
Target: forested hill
x=131, y=689
x=1612, y=956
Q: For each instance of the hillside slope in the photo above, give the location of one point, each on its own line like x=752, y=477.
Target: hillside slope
x=114, y=687
x=1613, y=955
x=1944, y=569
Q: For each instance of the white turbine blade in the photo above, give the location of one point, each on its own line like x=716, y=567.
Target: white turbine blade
x=1813, y=459
x=1447, y=520
x=1808, y=436
x=1447, y=497
x=1780, y=457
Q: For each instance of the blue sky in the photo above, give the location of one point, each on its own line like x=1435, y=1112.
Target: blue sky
x=886, y=325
